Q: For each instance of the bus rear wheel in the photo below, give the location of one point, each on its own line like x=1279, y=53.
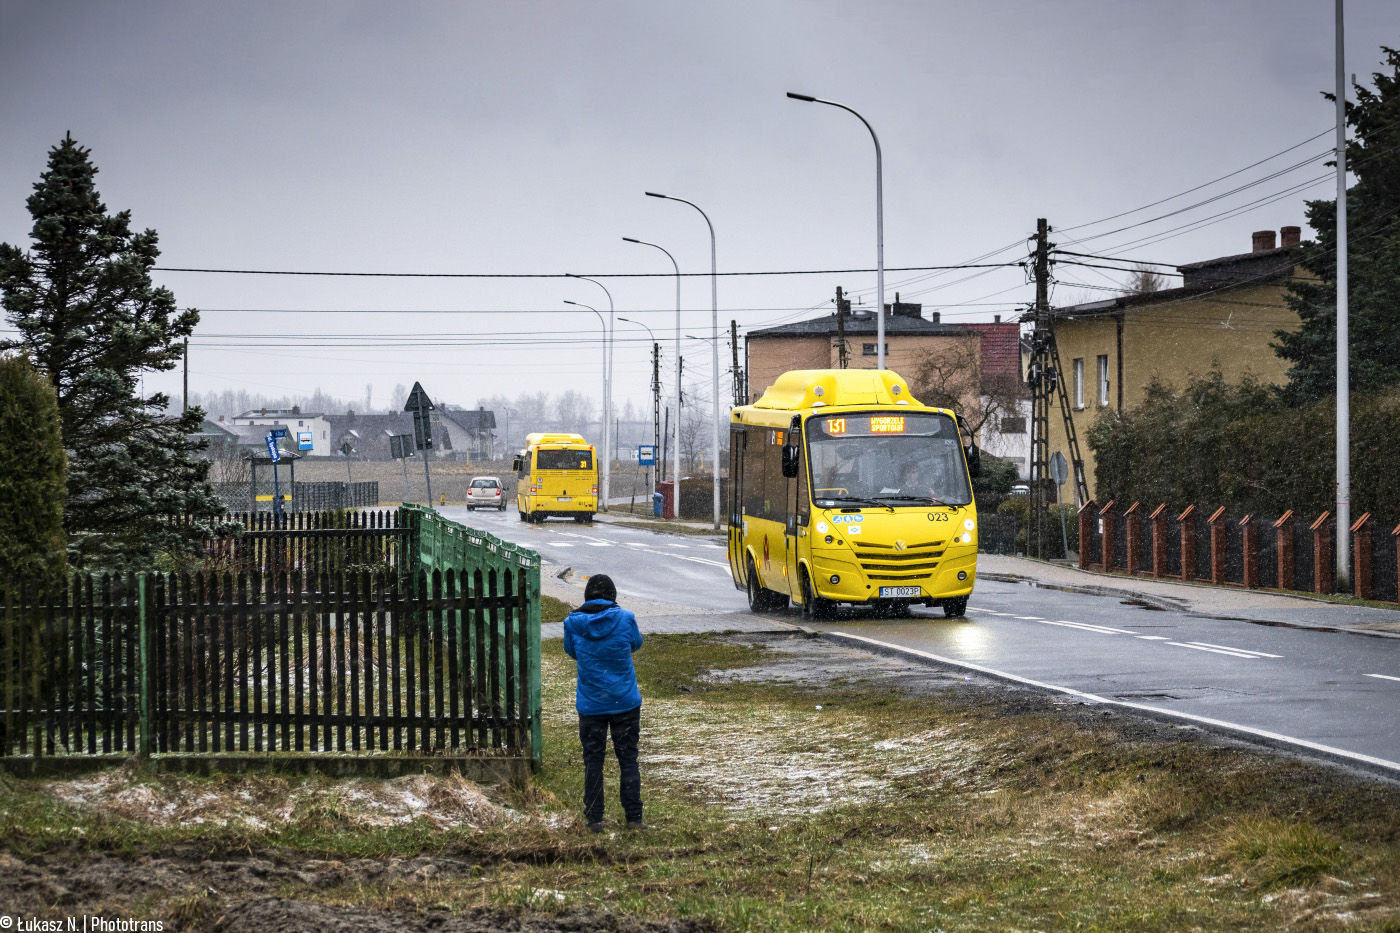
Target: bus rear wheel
x=814, y=608
x=955, y=608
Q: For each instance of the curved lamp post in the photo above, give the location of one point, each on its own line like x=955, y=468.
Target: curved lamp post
x=656, y=388
x=714, y=361
x=676, y=446
x=578, y=304
x=605, y=470
x=879, y=226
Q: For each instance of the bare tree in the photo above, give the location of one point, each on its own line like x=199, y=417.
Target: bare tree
x=1144, y=281
x=398, y=398
x=694, y=433
x=951, y=376
x=573, y=411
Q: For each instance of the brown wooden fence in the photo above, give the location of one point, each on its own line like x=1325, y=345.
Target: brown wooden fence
x=334, y=662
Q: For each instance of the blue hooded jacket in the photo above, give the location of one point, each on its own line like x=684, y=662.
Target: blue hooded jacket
x=601, y=636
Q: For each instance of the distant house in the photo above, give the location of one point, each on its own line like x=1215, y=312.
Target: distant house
x=1222, y=317
x=458, y=433
x=298, y=424
x=221, y=439
x=909, y=337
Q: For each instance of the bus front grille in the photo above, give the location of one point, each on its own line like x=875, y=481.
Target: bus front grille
x=883, y=562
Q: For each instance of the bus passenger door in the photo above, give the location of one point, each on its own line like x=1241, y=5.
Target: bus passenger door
x=738, y=438
x=796, y=518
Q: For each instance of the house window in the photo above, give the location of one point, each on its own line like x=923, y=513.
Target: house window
x=1013, y=424
x=1103, y=382
x=868, y=349
x=1079, y=383
x=301, y=424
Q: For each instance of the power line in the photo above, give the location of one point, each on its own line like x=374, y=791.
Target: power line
x=558, y=275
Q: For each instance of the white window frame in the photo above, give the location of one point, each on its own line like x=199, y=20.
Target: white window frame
x=1079, y=383
x=1103, y=381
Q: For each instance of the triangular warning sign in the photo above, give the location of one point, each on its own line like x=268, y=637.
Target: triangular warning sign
x=418, y=400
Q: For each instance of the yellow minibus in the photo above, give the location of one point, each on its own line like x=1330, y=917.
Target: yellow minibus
x=557, y=474
x=845, y=489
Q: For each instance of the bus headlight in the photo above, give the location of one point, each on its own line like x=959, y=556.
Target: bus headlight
x=828, y=539
x=966, y=538
x=969, y=524
x=962, y=574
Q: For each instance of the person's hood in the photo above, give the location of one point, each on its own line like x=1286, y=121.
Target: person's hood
x=599, y=618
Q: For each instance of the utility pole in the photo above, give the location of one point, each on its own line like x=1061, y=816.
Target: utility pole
x=185, y=403
x=1343, y=549
x=843, y=308
x=739, y=393
x=1046, y=381
x=655, y=415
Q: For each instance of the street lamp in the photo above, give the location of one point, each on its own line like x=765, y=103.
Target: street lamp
x=676, y=447
x=879, y=227
x=605, y=473
x=714, y=362
x=601, y=488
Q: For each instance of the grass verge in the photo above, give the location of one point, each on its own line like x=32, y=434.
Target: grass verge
x=841, y=805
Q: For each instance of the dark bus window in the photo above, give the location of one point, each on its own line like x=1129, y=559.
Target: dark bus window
x=775, y=495
x=563, y=459
x=753, y=471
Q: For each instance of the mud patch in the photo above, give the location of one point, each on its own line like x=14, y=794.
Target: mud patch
x=276, y=915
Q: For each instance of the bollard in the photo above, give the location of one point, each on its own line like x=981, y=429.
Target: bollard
x=1283, y=546
x=1187, y=520
x=1218, y=543
x=1133, y=519
x=1159, y=541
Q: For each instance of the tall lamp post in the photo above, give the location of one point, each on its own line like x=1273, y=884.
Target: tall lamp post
x=676, y=447
x=656, y=395
x=879, y=225
x=605, y=473
x=508, y=412
x=602, y=489
x=714, y=361
x=1343, y=352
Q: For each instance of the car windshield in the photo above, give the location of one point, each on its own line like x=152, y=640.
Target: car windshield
x=564, y=460
x=887, y=458
x=484, y=483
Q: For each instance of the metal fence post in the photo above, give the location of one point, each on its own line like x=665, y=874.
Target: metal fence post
x=145, y=669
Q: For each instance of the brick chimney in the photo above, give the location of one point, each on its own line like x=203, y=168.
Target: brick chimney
x=1292, y=236
x=936, y=317
x=1263, y=240
x=996, y=318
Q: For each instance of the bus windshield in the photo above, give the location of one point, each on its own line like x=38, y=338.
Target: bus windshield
x=564, y=460
x=887, y=458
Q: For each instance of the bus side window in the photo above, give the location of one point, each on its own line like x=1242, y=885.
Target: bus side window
x=736, y=476
x=775, y=496
x=753, y=479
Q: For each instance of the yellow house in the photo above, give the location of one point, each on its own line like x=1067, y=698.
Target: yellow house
x=1223, y=317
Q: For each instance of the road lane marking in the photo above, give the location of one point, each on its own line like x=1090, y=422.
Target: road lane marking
x=600, y=544
x=1031, y=618
x=1233, y=654
x=1158, y=710
x=1154, y=637
x=1105, y=629
x=1384, y=677
x=1262, y=654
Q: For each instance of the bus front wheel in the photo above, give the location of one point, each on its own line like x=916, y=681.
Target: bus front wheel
x=955, y=608
x=813, y=606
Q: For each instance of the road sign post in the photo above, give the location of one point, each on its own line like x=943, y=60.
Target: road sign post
x=274, y=455
x=1059, y=472
x=419, y=403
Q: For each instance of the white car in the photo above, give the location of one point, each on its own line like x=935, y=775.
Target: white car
x=484, y=492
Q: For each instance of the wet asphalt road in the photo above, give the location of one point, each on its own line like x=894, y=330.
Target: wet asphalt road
x=1329, y=691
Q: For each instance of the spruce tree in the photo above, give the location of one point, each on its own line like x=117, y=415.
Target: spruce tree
x=91, y=321
x=32, y=466
x=1373, y=258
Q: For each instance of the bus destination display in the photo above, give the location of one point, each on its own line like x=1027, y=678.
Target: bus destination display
x=861, y=425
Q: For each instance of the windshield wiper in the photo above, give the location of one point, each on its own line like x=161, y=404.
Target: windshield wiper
x=867, y=501
x=926, y=500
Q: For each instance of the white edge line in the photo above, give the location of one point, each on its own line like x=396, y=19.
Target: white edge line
x=1154, y=637
x=1236, y=727
x=1090, y=627
x=1262, y=654
x=1384, y=676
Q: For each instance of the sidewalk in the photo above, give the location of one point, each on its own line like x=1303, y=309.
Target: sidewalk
x=1216, y=602
x=613, y=518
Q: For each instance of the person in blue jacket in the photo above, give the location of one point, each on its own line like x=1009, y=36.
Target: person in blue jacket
x=601, y=636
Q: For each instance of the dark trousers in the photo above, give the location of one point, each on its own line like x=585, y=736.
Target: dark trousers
x=593, y=733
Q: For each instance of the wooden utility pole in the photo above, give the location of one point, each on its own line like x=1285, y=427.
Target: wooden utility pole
x=656, y=412
x=843, y=308
x=185, y=402
x=740, y=392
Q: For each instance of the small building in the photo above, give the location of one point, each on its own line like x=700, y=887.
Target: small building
x=297, y=423
x=458, y=433
x=1222, y=317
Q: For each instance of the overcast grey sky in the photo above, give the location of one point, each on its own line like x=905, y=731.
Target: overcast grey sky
x=519, y=137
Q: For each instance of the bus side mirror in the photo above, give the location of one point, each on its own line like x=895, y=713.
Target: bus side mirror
x=789, y=460
x=974, y=460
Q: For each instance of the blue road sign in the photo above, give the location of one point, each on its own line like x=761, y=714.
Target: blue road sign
x=646, y=455
x=304, y=441
x=273, y=453
x=279, y=433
